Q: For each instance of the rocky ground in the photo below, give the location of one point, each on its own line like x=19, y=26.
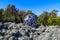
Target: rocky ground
x=12, y=31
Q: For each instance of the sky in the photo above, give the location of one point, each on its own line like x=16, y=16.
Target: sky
x=36, y=6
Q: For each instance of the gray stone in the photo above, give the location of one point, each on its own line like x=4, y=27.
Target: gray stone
x=28, y=33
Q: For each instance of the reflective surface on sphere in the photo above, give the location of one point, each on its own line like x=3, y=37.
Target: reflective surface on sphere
x=30, y=20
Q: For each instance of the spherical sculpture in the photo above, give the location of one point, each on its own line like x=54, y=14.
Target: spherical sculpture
x=30, y=20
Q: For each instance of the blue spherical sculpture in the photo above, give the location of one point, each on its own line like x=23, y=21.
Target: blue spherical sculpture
x=31, y=20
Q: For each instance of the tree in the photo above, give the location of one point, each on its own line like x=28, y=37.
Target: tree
x=51, y=21
x=42, y=19
x=21, y=15
x=53, y=14
x=10, y=12
x=1, y=15
x=52, y=17
x=28, y=12
x=58, y=20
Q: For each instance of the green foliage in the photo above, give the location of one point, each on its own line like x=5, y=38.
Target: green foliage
x=53, y=14
x=42, y=19
x=51, y=21
x=11, y=14
x=1, y=10
x=23, y=14
x=28, y=12
x=58, y=20
x=48, y=18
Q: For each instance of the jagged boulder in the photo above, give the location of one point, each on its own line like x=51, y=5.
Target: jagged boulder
x=31, y=20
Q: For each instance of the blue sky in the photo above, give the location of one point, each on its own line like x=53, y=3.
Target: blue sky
x=37, y=6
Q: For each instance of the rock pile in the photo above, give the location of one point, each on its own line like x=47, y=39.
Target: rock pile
x=13, y=31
